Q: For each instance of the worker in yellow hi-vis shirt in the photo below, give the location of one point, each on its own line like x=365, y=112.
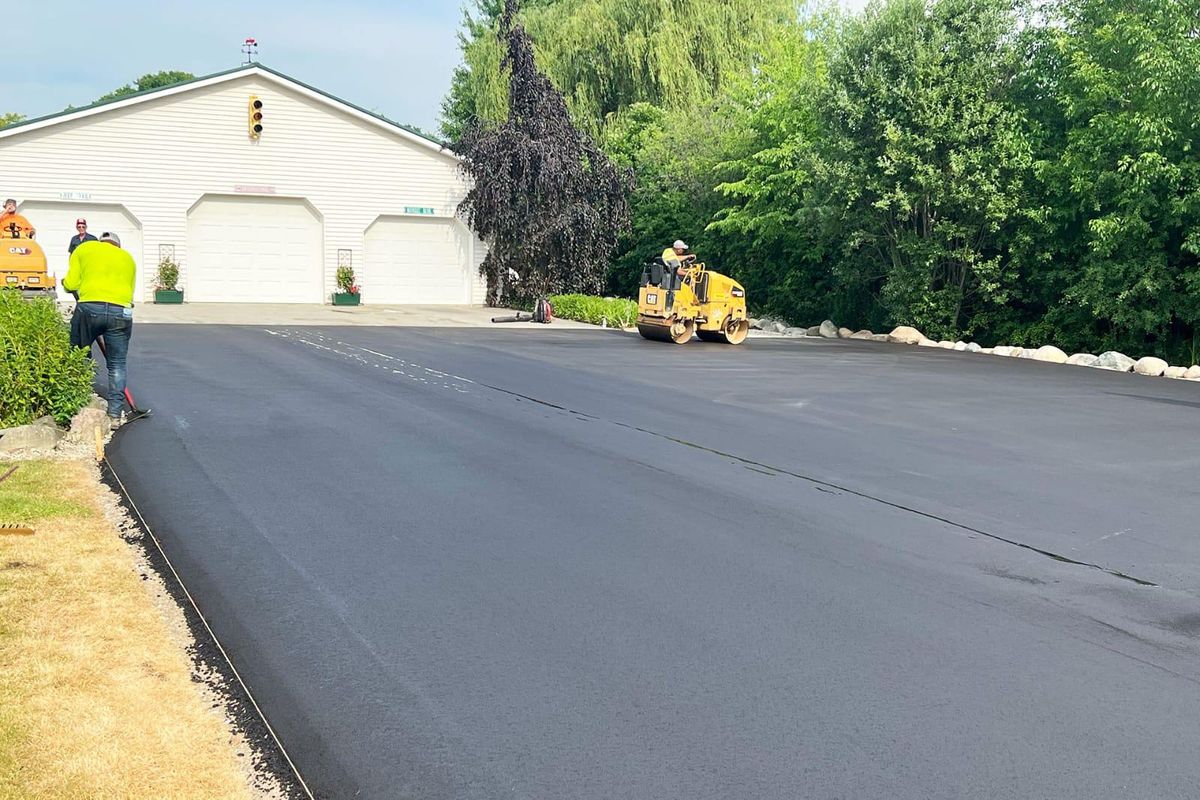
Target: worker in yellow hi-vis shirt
x=102, y=277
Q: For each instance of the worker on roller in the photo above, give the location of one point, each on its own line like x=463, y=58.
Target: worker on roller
x=102, y=277
x=676, y=258
x=11, y=218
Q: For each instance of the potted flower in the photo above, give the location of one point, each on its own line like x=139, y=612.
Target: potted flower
x=347, y=293
x=165, y=281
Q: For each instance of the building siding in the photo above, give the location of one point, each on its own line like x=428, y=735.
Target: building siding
x=160, y=156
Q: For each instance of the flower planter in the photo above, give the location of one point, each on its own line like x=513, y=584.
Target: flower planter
x=346, y=299
x=168, y=296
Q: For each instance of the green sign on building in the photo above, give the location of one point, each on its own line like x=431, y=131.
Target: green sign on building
x=418, y=210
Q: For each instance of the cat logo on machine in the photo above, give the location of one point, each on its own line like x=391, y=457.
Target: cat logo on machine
x=20, y=251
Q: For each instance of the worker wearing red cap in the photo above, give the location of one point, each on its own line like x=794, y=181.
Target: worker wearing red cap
x=81, y=235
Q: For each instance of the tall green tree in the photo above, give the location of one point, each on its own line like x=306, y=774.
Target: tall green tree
x=545, y=199
x=10, y=119
x=152, y=80
x=925, y=157
x=780, y=247
x=1123, y=177
x=605, y=55
x=678, y=160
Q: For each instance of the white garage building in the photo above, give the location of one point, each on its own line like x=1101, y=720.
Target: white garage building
x=177, y=173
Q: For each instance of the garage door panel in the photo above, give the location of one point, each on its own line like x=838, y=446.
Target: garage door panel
x=254, y=250
x=416, y=261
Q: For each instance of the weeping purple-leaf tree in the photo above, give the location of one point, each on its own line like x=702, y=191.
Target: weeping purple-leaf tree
x=547, y=202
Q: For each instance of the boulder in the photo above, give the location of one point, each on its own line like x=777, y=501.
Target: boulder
x=946, y=345
x=815, y=330
x=1150, y=366
x=880, y=337
x=972, y=347
x=1050, y=353
x=755, y=325
x=988, y=351
x=770, y=325
x=845, y=333
x=1175, y=372
x=47, y=420
x=29, y=437
x=905, y=335
x=1016, y=352
x=1193, y=373
x=1026, y=353
x=795, y=331
x=1083, y=360
x=860, y=335
x=1002, y=350
x=960, y=347
x=827, y=330
x=1115, y=361
x=85, y=423
x=927, y=343
x=98, y=402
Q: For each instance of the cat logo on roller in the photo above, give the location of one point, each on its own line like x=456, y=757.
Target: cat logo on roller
x=674, y=305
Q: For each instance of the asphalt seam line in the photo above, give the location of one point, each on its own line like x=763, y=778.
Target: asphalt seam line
x=743, y=460
x=749, y=462
x=204, y=621
x=828, y=485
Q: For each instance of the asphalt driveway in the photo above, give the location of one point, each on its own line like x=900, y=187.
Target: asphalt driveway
x=482, y=563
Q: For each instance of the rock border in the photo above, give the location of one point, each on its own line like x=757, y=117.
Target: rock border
x=1112, y=360
x=44, y=438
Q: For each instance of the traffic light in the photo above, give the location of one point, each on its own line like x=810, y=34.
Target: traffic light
x=254, y=116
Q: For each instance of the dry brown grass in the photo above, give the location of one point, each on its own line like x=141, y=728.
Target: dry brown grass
x=96, y=693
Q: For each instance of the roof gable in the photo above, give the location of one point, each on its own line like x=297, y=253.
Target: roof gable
x=254, y=69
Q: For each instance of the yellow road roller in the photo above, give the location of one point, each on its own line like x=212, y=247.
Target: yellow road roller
x=23, y=264
x=673, y=306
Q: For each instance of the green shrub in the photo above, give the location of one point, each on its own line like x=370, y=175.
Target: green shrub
x=40, y=372
x=168, y=275
x=616, y=312
x=345, y=280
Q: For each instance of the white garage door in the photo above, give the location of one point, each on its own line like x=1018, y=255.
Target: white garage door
x=253, y=250
x=55, y=225
x=416, y=261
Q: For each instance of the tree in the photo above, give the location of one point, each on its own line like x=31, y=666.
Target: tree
x=152, y=80
x=924, y=159
x=545, y=199
x=10, y=119
x=1124, y=175
x=605, y=55
x=677, y=161
x=782, y=241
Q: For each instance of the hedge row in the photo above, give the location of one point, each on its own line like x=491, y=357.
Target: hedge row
x=40, y=372
x=616, y=312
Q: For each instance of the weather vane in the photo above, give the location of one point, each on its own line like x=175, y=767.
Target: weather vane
x=250, y=50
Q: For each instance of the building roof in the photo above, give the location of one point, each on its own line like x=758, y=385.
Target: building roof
x=253, y=68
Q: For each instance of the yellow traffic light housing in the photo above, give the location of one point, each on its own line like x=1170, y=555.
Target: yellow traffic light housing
x=254, y=117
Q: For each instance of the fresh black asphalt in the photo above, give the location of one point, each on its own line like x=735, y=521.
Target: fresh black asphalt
x=490, y=563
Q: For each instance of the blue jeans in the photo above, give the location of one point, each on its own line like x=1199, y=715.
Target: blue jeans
x=115, y=324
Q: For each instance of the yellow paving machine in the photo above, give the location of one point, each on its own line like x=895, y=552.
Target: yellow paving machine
x=672, y=305
x=23, y=264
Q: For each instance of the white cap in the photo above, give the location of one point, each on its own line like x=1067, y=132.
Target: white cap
x=110, y=237
x=680, y=244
